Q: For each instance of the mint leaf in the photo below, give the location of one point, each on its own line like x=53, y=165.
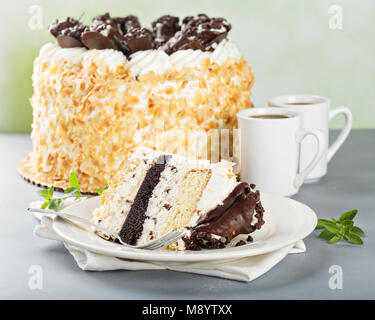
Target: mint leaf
x=348, y=215
x=44, y=193
x=358, y=231
x=354, y=238
x=347, y=222
x=73, y=180
x=100, y=191
x=331, y=227
x=320, y=224
x=70, y=191
x=325, y=234
x=335, y=239
x=54, y=204
x=50, y=191
x=44, y=205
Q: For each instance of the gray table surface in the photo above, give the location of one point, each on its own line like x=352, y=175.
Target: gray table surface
x=349, y=184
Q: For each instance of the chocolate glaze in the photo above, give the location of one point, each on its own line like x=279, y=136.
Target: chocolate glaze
x=182, y=41
x=103, y=20
x=128, y=23
x=68, y=42
x=138, y=39
x=57, y=27
x=228, y=220
x=234, y=220
x=103, y=34
x=165, y=28
x=68, y=33
x=238, y=191
x=96, y=40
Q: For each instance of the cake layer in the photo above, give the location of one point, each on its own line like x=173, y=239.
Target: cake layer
x=180, y=210
x=133, y=226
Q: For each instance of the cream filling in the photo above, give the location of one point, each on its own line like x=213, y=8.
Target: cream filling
x=218, y=188
x=114, y=211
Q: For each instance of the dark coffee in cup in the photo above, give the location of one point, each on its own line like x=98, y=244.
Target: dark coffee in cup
x=299, y=103
x=269, y=116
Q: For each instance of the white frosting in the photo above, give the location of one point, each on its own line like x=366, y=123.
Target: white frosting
x=53, y=52
x=218, y=188
x=226, y=49
x=142, y=62
x=113, y=58
x=188, y=58
x=49, y=50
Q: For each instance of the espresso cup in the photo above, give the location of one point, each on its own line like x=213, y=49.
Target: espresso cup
x=270, y=149
x=316, y=114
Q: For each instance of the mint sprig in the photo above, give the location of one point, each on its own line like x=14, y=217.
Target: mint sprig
x=74, y=188
x=52, y=203
x=341, y=229
x=100, y=191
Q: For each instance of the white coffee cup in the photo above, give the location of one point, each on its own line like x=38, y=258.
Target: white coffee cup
x=270, y=149
x=316, y=114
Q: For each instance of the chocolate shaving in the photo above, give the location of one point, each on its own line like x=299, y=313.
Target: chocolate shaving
x=104, y=34
x=100, y=22
x=165, y=28
x=240, y=243
x=128, y=23
x=68, y=42
x=167, y=206
x=96, y=40
x=68, y=33
x=138, y=39
x=200, y=32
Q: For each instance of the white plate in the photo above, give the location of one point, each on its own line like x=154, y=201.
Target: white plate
x=286, y=222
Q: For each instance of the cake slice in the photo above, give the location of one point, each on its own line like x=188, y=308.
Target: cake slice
x=154, y=193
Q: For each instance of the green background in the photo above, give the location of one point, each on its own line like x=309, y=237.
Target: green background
x=288, y=43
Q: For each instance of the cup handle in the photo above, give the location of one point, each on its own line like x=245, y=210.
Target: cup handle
x=344, y=132
x=321, y=143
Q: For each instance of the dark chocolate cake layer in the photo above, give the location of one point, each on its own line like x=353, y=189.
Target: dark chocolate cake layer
x=133, y=225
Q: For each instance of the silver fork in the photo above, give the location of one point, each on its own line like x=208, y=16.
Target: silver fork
x=158, y=243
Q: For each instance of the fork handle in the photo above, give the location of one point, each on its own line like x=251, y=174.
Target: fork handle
x=74, y=218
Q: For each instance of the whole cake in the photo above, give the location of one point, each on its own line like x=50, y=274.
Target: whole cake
x=102, y=90
x=154, y=193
